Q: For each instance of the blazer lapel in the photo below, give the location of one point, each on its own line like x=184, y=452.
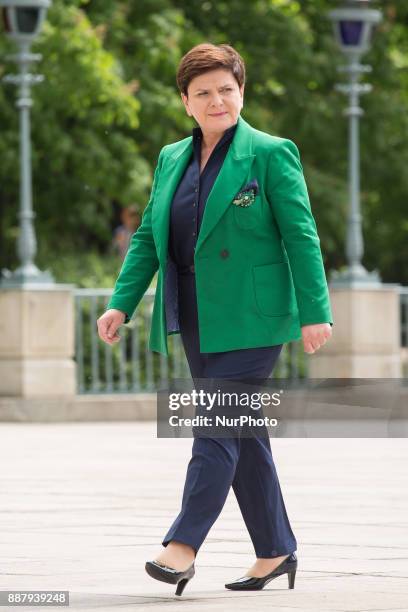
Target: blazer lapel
x=170, y=175
x=231, y=177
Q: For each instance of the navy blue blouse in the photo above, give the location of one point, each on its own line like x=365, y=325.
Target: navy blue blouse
x=189, y=200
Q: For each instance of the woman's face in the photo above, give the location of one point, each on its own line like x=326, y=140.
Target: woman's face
x=214, y=100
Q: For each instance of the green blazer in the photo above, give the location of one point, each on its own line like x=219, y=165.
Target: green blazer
x=259, y=269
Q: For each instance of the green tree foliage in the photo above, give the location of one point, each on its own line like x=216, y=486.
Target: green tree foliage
x=110, y=102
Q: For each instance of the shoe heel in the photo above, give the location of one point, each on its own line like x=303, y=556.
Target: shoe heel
x=291, y=579
x=181, y=585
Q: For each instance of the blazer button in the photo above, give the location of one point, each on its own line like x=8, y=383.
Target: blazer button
x=191, y=268
x=224, y=253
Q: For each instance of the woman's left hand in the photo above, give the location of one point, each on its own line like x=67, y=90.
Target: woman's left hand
x=314, y=336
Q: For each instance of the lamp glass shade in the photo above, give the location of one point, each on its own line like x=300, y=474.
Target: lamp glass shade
x=351, y=33
x=27, y=19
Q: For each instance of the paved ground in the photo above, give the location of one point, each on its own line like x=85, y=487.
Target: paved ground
x=84, y=505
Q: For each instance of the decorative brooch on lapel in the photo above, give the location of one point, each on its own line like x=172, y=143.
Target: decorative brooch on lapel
x=246, y=196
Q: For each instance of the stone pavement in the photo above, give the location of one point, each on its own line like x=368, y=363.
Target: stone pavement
x=84, y=505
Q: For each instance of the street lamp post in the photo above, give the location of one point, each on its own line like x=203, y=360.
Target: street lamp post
x=22, y=21
x=353, y=24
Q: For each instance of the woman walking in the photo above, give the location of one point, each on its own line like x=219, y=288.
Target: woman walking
x=230, y=229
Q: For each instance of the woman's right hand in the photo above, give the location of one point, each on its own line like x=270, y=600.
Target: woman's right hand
x=108, y=324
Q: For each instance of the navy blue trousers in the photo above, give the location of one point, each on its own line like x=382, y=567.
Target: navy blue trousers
x=216, y=464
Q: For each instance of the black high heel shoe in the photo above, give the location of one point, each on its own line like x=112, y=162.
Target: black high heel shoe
x=168, y=574
x=251, y=583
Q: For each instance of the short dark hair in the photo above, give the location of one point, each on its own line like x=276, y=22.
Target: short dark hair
x=205, y=57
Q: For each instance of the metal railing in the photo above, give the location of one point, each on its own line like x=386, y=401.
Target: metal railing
x=129, y=366
x=404, y=316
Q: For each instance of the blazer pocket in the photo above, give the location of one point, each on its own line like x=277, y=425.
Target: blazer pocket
x=272, y=287
x=246, y=217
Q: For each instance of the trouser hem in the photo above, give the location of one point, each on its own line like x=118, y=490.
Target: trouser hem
x=270, y=554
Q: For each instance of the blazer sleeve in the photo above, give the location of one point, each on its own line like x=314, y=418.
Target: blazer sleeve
x=287, y=193
x=140, y=263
